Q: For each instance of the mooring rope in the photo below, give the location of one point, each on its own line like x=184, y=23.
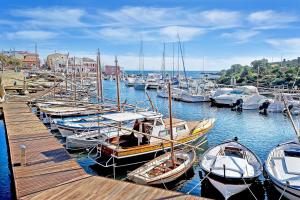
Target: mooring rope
x=200, y=182
x=249, y=189
x=286, y=185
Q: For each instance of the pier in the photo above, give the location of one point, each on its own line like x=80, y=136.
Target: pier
x=43, y=169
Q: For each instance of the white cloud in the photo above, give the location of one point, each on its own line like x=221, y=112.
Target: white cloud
x=30, y=35
x=186, y=33
x=218, y=18
x=289, y=45
x=52, y=17
x=269, y=19
x=240, y=36
x=144, y=16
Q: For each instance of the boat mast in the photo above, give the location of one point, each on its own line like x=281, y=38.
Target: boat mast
x=163, y=66
x=173, y=60
x=118, y=84
x=99, y=78
x=67, y=72
x=181, y=51
x=291, y=119
x=101, y=83
x=75, y=87
x=171, y=125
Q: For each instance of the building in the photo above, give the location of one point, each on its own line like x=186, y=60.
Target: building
x=89, y=64
x=57, y=61
x=27, y=59
x=111, y=70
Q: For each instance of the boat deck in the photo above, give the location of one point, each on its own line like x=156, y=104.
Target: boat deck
x=51, y=173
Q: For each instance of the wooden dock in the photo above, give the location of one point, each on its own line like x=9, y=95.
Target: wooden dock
x=50, y=172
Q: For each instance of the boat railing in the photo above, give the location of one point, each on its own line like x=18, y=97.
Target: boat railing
x=98, y=155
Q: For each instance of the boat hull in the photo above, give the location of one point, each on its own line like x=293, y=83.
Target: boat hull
x=194, y=99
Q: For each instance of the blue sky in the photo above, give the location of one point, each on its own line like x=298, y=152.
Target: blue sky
x=222, y=32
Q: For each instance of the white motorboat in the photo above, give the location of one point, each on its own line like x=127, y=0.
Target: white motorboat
x=192, y=96
x=129, y=82
x=152, y=81
x=248, y=95
x=277, y=104
x=77, y=119
x=88, y=139
x=139, y=84
x=231, y=167
x=161, y=171
x=163, y=93
x=283, y=169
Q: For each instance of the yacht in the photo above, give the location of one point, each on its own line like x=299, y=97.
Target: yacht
x=247, y=95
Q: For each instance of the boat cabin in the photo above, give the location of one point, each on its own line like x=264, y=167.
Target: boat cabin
x=146, y=122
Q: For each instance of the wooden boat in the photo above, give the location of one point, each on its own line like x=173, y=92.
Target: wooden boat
x=231, y=167
x=283, y=169
x=135, y=146
x=167, y=167
x=160, y=170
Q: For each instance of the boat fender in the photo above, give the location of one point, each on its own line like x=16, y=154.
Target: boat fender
x=264, y=107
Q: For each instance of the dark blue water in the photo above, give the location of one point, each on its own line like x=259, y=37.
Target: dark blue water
x=5, y=180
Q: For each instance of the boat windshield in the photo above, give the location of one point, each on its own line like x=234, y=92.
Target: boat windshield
x=236, y=92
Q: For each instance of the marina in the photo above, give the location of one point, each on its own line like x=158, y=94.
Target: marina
x=154, y=100
x=220, y=133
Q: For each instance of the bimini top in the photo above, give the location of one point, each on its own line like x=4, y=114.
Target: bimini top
x=128, y=116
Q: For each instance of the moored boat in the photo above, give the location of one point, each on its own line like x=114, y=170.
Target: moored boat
x=161, y=171
x=283, y=169
x=231, y=167
x=144, y=138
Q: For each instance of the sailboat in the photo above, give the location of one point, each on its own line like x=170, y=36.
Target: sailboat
x=140, y=82
x=167, y=167
x=231, y=167
x=283, y=165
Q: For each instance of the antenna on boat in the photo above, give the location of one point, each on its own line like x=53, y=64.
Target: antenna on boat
x=171, y=125
x=118, y=84
x=291, y=118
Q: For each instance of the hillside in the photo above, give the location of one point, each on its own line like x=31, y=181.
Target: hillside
x=268, y=74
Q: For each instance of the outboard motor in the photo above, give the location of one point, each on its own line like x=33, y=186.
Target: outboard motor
x=238, y=105
x=263, y=108
x=290, y=107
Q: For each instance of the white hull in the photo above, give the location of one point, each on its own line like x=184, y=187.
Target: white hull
x=228, y=190
x=228, y=102
x=194, y=98
x=282, y=166
x=251, y=106
x=73, y=143
x=289, y=193
x=65, y=132
x=162, y=94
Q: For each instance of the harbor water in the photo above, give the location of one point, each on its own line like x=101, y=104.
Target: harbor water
x=259, y=133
